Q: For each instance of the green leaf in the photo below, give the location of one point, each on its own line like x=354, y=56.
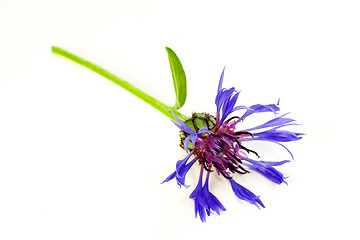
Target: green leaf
x=179, y=78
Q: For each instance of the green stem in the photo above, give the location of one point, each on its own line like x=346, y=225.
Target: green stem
x=127, y=86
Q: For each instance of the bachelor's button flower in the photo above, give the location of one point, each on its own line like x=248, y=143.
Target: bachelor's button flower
x=219, y=148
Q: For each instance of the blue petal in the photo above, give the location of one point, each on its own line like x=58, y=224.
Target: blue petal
x=204, y=201
x=225, y=102
x=276, y=122
x=245, y=194
x=170, y=177
x=224, y=99
x=261, y=108
x=213, y=203
x=186, y=143
x=181, y=167
x=240, y=108
x=228, y=106
x=266, y=169
x=204, y=130
x=193, y=140
x=278, y=135
x=268, y=163
x=221, y=80
x=181, y=170
x=197, y=189
x=199, y=209
x=182, y=125
x=184, y=128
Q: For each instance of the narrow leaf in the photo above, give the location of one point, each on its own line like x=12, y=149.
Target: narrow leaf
x=179, y=78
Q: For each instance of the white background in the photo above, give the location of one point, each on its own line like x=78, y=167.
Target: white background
x=80, y=158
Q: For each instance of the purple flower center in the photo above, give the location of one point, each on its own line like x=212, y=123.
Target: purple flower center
x=221, y=150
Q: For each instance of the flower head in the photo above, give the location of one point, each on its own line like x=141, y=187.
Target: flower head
x=220, y=148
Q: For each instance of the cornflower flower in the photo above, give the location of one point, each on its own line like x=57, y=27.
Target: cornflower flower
x=219, y=148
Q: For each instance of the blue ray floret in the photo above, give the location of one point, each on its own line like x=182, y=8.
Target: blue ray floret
x=205, y=202
x=181, y=170
x=220, y=148
x=245, y=194
x=266, y=168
